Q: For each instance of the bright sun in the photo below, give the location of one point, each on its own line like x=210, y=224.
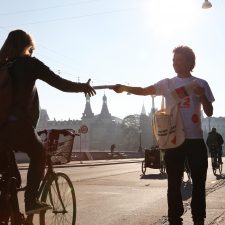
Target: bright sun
x=167, y=17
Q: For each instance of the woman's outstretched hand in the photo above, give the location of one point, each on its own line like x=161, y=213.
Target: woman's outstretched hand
x=87, y=89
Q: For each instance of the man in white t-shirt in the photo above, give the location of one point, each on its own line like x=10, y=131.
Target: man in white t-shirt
x=197, y=94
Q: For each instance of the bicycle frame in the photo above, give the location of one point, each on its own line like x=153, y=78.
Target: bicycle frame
x=216, y=165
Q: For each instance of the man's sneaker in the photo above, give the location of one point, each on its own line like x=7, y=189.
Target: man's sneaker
x=36, y=207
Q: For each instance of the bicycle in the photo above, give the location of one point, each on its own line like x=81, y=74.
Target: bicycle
x=56, y=188
x=217, y=164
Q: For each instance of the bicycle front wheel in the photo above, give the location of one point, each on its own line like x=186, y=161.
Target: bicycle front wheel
x=60, y=194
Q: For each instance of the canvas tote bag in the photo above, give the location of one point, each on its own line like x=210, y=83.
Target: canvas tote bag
x=168, y=127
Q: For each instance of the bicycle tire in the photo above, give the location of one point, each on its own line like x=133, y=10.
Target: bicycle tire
x=162, y=168
x=220, y=168
x=213, y=160
x=143, y=168
x=57, y=191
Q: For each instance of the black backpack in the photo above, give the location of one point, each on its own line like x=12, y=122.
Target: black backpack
x=5, y=92
x=212, y=141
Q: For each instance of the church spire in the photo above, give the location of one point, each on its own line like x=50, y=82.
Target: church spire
x=87, y=111
x=105, y=112
x=143, y=111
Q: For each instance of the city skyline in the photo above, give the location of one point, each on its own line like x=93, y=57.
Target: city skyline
x=141, y=111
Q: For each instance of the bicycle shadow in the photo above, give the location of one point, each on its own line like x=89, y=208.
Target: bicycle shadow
x=186, y=189
x=158, y=176
x=220, y=176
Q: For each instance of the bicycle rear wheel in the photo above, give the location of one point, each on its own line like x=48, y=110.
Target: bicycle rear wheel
x=143, y=168
x=162, y=168
x=220, y=168
x=60, y=194
x=214, y=169
x=213, y=163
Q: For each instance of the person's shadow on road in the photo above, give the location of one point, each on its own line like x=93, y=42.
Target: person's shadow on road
x=154, y=176
x=220, y=176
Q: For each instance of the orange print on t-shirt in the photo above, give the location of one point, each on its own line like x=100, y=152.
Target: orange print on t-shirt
x=186, y=103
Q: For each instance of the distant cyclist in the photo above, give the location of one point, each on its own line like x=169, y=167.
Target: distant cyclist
x=214, y=142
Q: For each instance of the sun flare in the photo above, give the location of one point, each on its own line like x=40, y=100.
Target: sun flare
x=170, y=17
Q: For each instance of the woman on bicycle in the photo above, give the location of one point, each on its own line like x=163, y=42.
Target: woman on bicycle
x=18, y=131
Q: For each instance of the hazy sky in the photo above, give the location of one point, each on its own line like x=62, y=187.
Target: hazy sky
x=118, y=41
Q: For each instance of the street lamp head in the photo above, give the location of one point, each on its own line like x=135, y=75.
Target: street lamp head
x=206, y=4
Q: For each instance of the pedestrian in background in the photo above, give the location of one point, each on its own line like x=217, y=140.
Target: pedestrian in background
x=112, y=147
x=193, y=148
x=18, y=131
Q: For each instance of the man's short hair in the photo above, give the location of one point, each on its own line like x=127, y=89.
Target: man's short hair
x=188, y=53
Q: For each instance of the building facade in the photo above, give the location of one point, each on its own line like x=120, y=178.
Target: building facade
x=132, y=133
x=127, y=134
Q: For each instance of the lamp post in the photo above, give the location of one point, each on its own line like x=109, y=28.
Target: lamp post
x=140, y=147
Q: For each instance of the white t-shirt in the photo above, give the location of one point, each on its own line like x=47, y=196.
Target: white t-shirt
x=189, y=106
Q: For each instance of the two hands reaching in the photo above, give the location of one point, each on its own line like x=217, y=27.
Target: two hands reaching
x=89, y=90
x=118, y=88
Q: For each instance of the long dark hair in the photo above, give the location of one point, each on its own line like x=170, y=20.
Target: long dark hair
x=15, y=44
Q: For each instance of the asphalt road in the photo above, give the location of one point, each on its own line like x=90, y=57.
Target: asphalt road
x=120, y=195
